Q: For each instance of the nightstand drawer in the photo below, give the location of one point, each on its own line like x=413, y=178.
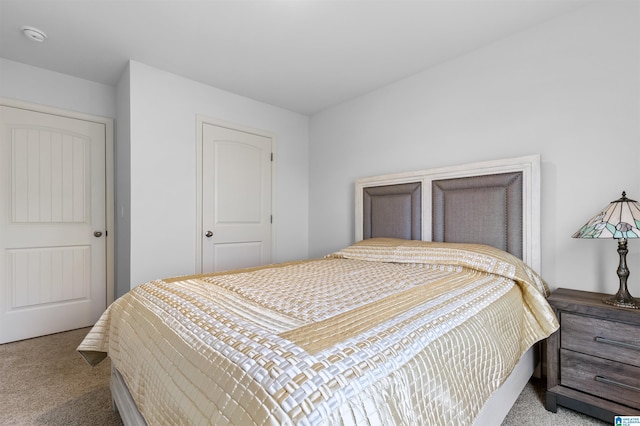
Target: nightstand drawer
x=600, y=377
x=603, y=338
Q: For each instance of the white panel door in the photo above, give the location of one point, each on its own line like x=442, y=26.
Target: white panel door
x=236, y=199
x=52, y=223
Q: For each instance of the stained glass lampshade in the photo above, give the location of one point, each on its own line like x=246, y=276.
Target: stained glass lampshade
x=620, y=220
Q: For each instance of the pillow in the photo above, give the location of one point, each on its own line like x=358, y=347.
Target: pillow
x=480, y=257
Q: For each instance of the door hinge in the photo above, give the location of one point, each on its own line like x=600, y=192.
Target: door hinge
x=271, y=219
x=272, y=156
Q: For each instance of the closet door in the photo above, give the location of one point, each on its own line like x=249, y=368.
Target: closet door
x=236, y=198
x=53, y=251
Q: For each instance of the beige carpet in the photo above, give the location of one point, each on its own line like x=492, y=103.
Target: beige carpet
x=44, y=381
x=529, y=411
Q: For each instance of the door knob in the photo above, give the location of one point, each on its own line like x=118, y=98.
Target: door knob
x=97, y=234
x=209, y=234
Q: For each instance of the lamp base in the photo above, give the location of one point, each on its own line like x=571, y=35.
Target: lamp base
x=623, y=298
x=622, y=302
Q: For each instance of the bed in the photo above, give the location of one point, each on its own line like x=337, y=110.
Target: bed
x=430, y=317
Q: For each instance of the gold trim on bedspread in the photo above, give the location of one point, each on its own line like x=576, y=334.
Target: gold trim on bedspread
x=383, y=332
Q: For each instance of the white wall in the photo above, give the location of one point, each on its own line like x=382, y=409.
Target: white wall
x=568, y=89
x=123, y=185
x=163, y=110
x=31, y=84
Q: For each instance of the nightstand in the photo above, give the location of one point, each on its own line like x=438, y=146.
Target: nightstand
x=593, y=360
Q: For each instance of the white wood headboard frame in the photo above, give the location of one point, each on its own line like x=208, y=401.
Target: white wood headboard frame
x=528, y=165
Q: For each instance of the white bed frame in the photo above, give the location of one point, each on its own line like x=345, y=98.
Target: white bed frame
x=499, y=404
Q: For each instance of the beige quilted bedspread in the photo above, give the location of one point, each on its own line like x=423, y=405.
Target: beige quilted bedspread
x=382, y=332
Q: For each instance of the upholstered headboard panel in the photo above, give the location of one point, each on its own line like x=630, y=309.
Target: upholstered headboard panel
x=393, y=211
x=479, y=209
x=495, y=203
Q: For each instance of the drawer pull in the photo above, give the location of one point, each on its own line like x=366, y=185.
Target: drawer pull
x=616, y=383
x=617, y=343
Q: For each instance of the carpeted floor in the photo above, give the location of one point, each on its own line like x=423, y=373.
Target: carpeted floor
x=44, y=381
x=529, y=411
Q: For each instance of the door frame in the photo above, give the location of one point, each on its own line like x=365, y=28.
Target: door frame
x=109, y=175
x=201, y=120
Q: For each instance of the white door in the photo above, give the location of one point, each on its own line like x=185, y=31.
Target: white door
x=52, y=223
x=236, y=199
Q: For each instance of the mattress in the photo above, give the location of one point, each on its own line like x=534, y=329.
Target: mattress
x=382, y=332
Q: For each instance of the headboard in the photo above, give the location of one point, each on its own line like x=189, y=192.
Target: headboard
x=494, y=202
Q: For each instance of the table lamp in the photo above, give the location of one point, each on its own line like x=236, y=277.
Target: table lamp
x=621, y=220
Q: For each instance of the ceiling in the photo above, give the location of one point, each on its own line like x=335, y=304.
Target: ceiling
x=301, y=55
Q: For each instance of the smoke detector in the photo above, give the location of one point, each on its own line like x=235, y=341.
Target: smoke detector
x=34, y=34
